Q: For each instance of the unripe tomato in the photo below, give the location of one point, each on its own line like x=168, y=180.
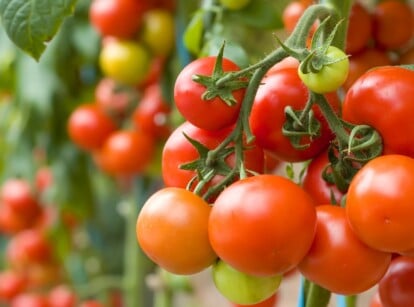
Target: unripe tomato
x=125, y=61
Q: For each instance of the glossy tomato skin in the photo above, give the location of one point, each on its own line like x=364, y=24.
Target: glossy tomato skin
x=116, y=18
x=384, y=90
x=11, y=284
x=338, y=260
x=89, y=126
x=396, y=287
x=151, y=114
x=313, y=183
x=246, y=228
x=126, y=152
x=359, y=29
x=393, y=24
x=172, y=230
x=213, y=114
x=379, y=203
x=281, y=89
x=29, y=300
x=177, y=151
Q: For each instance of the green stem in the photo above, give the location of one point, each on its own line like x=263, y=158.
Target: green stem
x=163, y=298
x=351, y=301
x=317, y=296
x=99, y=285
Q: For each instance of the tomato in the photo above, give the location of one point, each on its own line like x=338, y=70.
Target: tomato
x=62, y=296
x=43, y=179
x=151, y=114
x=396, y=287
x=338, y=261
x=29, y=300
x=262, y=225
x=269, y=302
x=89, y=127
x=243, y=288
x=172, y=230
x=384, y=90
x=393, y=24
x=313, y=182
x=116, y=18
x=359, y=31
x=178, y=150
x=125, y=61
x=281, y=89
x=234, y=4
x=379, y=203
x=28, y=247
x=292, y=13
x=288, y=62
x=363, y=61
x=114, y=98
x=331, y=76
x=11, y=284
x=127, y=152
x=212, y=114
x=158, y=31
x=91, y=303
x=12, y=222
x=375, y=300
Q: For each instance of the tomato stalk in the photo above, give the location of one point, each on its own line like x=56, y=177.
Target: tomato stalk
x=316, y=296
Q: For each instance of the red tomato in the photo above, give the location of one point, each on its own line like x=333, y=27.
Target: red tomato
x=89, y=126
x=91, y=303
x=384, y=90
x=151, y=114
x=114, y=98
x=120, y=18
x=313, y=182
x=292, y=13
x=29, y=300
x=364, y=61
x=338, y=261
x=211, y=114
x=281, y=89
x=270, y=302
x=379, y=203
x=246, y=228
x=11, y=284
x=393, y=24
x=177, y=151
x=126, y=152
x=396, y=287
x=172, y=230
x=359, y=29
x=62, y=296
x=288, y=62
x=12, y=222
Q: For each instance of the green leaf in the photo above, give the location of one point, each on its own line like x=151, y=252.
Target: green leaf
x=193, y=35
x=30, y=24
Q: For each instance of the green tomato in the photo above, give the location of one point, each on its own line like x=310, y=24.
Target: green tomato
x=234, y=4
x=241, y=288
x=125, y=61
x=331, y=76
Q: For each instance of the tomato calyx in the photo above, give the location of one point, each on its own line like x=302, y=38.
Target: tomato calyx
x=215, y=88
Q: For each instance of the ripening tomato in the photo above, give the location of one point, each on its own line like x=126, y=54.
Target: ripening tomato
x=125, y=61
x=158, y=31
x=178, y=150
x=62, y=296
x=396, y=287
x=126, y=152
x=209, y=114
x=242, y=288
x=89, y=127
x=262, y=225
x=362, y=62
x=151, y=113
x=281, y=89
x=379, y=203
x=172, y=230
x=313, y=182
x=11, y=284
x=384, y=91
x=12, y=222
x=119, y=18
x=29, y=300
x=338, y=261
x=393, y=24
x=359, y=28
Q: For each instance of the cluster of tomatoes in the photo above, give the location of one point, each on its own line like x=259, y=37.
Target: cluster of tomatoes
x=261, y=225
x=121, y=127
x=33, y=274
